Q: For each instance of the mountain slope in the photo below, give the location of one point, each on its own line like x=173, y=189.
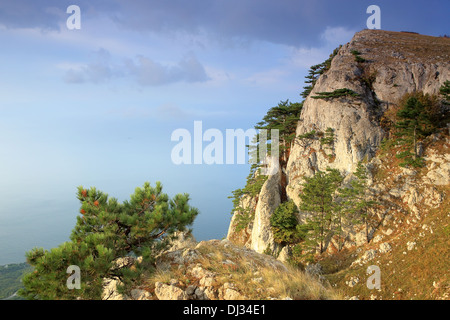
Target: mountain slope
x=357, y=100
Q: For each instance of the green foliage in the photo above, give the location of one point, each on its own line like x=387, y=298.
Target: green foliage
x=358, y=58
x=255, y=181
x=284, y=118
x=243, y=218
x=315, y=71
x=446, y=230
x=354, y=201
x=309, y=135
x=236, y=198
x=318, y=199
x=444, y=90
x=345, y=92
x=10, y=276
x=284, y=224
x=420, y=115
x=414, y=123
x=328, y=139
x=252, y=188
x=387, y=144
x=105, y=231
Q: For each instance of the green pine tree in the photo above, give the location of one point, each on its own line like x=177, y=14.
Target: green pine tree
x=444, y=90
x=414, y=124
x=284, y=118
x=284, y=224
x=318, y=199
x=316, y=71
x=105, y=231
x=355, y=203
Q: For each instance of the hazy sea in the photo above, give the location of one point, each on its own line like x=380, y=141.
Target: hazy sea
x=47, y=224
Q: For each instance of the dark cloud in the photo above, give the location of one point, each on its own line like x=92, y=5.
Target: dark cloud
x=30, y=14
x=46, y=14
x=291, y=22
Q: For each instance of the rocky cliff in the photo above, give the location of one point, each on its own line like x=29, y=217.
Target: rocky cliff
x=353, y=102
x=395, y=64
x=374, y=70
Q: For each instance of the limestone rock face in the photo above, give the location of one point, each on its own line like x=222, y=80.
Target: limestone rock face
x=242, y=237
x=380, y=81
x=269, y=200
x=395, y=63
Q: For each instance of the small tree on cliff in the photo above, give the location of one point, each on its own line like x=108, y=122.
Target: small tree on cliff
x=355, y=202
x=284, y=117
x=414, y=124
x=284, y=224
x=318, y=199
x=106, y=231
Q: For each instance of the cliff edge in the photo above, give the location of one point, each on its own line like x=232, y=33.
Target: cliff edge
x=356, y=100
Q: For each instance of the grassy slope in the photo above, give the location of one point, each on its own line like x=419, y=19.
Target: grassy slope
x=421, y=273
x=232, y=265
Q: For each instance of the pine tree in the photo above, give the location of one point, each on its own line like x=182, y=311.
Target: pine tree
x=355, y=202
x=313, y=75
x=414, y=124
x=106, y=231
x=318, y=199
x=316, y=71
x=444, y=90
x=284, y=224
x=284, y=118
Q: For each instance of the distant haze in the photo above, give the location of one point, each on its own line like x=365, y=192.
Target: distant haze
x=97, y=106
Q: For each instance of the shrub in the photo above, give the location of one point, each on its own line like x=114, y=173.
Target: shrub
x=284, y=223
x=345, y=92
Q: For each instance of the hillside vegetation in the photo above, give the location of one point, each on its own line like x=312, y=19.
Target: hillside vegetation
x=10, y=278
x=366, y=181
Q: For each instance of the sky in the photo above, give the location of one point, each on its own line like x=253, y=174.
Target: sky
x=97, y=106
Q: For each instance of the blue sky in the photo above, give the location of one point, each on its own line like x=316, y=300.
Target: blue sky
x=97, y=106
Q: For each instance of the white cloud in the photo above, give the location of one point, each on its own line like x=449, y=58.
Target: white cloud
x=145, y=71
x=300, y=59
x=334, y=36
x=150, y=73
x=306, y=57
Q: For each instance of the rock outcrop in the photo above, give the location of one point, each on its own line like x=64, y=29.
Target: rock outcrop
x=269, y=199
x=219, y=270
x=395, y=63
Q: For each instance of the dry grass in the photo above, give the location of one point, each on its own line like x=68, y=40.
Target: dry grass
x=414, y=47
x=298, y=285
x=421, y=273
x=254, y=276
